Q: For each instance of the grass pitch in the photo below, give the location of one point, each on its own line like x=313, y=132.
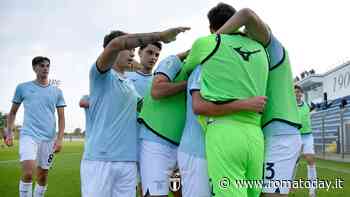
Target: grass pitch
x=64, y=177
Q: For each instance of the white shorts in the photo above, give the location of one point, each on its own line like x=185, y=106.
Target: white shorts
x=308, y=144
x=108, y=179
x=157, y=162
x=39, y=151
x=281, y=155
x=194, y=175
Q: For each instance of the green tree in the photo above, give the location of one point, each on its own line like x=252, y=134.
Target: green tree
x=77, y=131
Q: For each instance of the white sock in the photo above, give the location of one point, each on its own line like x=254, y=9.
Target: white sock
x=311, y=175
x=25, y=189
x=39, y=190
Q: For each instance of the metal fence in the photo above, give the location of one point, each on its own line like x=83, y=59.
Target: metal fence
x=331, y=130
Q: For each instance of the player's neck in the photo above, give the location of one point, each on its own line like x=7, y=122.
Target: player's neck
x=119, y=69
x=145, y=70
x=43, y=81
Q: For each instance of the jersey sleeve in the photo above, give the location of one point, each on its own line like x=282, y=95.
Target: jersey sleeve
x=95, y=73
x=169, y=67
x=195, y=84
x=60, y=100
x=18, y=97
x=275, y=51
x=201, y=48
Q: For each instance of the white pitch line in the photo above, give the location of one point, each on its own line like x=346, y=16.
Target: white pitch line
x=8, y=161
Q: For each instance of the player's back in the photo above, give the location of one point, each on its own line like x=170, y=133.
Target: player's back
x=237, y=70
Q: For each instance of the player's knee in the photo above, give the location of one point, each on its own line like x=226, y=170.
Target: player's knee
x=27, y=176
x=42, y=176
x=310, y=160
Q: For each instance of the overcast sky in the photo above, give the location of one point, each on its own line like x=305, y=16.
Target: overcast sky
x=316, y=34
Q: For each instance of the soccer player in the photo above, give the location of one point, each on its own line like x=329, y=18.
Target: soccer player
x=234, y=67
x=191, y=152
x=108, y=167
x=37, y=143
x=162, y=117
x=142, y=78
x=280, y=119
x=306, y=138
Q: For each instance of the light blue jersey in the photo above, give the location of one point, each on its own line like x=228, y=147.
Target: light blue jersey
x=142, y=82
x=170, y=72
x=112, y=133
x=192, y=140
x=40, y=104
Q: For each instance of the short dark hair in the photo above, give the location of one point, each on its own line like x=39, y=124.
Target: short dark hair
x=157, y=44
x=39, y=59
x=109, y=37
x=298, y=87
x=219, y=15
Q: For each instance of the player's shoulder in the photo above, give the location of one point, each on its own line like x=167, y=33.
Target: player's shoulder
x=55, y=88
x=206, y=39
x=307, y=105
x=26, y=84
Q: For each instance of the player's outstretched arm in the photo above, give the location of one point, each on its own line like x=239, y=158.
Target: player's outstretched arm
x=11, y=117
x=203, y=107
x=61, y=127
x=254, y=26
x=162, y=87
x=131, y=41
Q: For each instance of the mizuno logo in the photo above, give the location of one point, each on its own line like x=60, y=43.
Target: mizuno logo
x=245, y=54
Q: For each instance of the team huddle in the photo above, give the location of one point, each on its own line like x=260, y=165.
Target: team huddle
x=224, y=111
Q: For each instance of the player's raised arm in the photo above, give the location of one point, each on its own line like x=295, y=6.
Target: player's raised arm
x=207, y=108
x=254, y=26
x=131, y=41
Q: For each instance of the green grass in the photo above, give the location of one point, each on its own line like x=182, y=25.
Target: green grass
x=326, y=170
x=64, y=178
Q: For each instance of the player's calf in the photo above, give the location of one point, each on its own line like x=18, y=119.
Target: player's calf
x=41, y=176
x=25, y=184
x=27, y=170
x=309, y=159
